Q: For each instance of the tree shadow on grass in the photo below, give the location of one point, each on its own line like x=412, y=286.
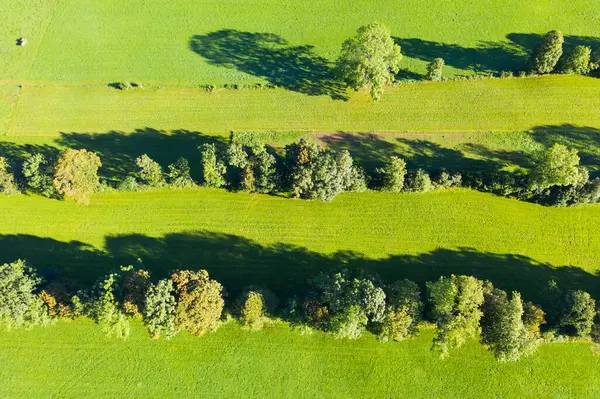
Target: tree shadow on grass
x=489, y=57
x=585, y=139
x=272, y=58
x=119, y=150
x=372, y=150
x=237, y=262
x=486, y=57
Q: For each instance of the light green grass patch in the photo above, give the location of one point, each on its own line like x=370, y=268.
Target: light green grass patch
x=486, y=105
x=73, y=360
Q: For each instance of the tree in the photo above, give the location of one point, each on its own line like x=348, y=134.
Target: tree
x=319, y=173
x=19, y=305
x=106, y=310
x=199, y=301
x=213, y=169
x=418, y=182
x=265, y=172
x=548, y=52
x=7, y=179
x=403, y=313
x=392, y=174
x=503, y=329
x=37, y=172
x=370, y=59
x=160, y=309
x=254, y=167
x=578, y=61
x=150, y=173
x=434, y=70
x=76, y=175
x=134, y=284
x=350, y=301
x=533, y=318
x=179, y=174
x=580, y=310
x=456, y=308
x=252, y=310
x=557, y=166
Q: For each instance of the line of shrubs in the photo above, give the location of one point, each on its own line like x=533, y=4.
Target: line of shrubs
x=307, y=170
x=343, y=303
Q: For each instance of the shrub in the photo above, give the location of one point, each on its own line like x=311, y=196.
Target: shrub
x=19, y=305
x=129, y=183
x=445, y=179
x=253, y=166
x=213, y=169
x=578, y=61
x=580, y=310
x=37, y=172
x=150, y=173
x=76, y=175
x=160, y=309
x=434, y=70
x=7, y=179
x=199, y=301
x=252, y=310
x=418, y=182
x=348, y=323
x=548, y=52
x=179, y=174
x=456, y=308
x=370, y=59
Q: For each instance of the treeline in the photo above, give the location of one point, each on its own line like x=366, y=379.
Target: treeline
x=306, y=170
x=343, y=303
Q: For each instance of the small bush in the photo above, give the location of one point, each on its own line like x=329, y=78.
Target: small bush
x=418, y=182
x=434, y=70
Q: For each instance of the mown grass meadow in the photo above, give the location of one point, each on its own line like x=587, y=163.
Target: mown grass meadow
x=276, y=363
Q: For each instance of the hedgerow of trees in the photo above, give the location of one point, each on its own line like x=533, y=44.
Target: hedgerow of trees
x=343, y=303
x=307, y=170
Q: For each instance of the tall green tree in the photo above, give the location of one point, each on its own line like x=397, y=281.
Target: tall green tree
x=370, y=59
x=160, y=309
x=213, y=168
x=503, y=329
x=558, y=166
x=403, y=312
x=37, y=172
x=76, y=175
x=179, y=174
x=150, y=173
x=580, y=310
x=7, y=179
x=20, y=306
x=456, y=308
x=578, y=61
x=393, y=174
x=548, y=52
x=434, y=70
x=316, y=173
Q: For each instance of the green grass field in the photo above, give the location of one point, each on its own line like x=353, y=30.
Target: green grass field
x=54, y=93
x=149, y=41
x=243, y=239
x=487, y=105
x=76, y=360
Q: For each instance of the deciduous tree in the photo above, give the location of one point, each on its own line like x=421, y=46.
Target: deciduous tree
x=370, y=59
